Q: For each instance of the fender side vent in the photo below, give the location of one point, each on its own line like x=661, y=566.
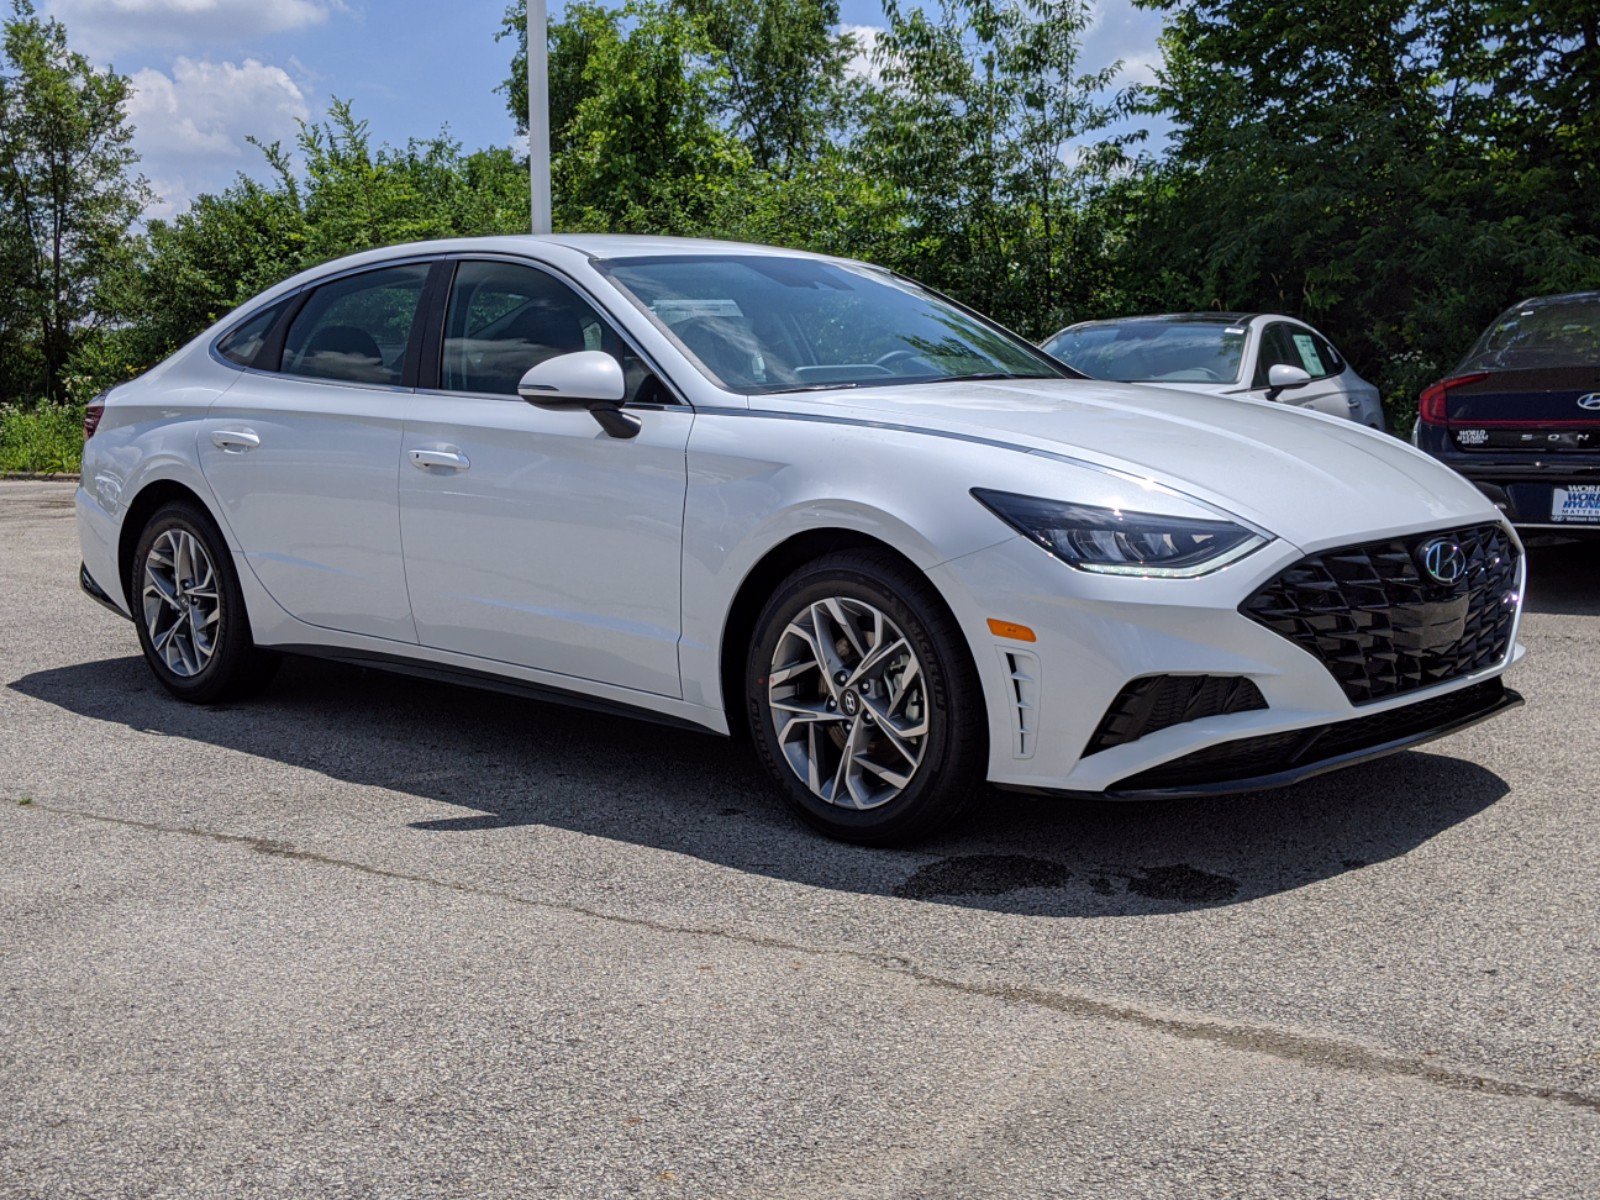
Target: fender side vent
x=1023, y=671
x=1162, y=701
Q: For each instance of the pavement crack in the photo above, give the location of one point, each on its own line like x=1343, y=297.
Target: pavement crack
x=1286, y=1045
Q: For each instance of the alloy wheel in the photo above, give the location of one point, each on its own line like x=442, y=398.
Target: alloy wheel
x=181, y=603
x=847, y=698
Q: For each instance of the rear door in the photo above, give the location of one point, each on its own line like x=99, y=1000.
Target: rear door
x=531, y=536
x=303, y=452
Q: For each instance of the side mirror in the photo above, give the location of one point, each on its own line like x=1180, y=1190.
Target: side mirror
x=1281, y=377
x=590, y=379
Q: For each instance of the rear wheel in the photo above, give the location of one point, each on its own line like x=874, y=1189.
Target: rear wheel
x=863, y=702
x=189, y=610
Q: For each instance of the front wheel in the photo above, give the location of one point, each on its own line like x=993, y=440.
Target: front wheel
x=863, y=701
x=190, y=613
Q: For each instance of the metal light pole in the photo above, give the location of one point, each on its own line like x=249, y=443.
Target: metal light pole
x=539, y=115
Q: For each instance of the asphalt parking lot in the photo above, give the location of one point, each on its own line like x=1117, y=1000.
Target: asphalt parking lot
x=370, y=936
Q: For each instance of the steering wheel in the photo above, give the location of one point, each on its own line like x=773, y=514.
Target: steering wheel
x=895, y=356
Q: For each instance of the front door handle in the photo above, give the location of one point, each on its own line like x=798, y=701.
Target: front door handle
x=442, y=460
x=235, y=441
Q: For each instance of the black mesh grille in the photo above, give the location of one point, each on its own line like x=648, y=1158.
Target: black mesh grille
x=1161, y=701
x=1270, y=754
x=1381, y=626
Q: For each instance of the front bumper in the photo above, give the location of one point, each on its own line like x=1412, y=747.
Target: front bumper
x=1276, y=760
x=1095, y=634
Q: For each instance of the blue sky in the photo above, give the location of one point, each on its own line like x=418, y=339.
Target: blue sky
x=208, y=73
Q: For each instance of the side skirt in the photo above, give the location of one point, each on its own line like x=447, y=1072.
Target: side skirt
x=485, y=681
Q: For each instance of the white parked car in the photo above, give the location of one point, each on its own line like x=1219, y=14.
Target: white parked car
x=1260, y=356
x=761, y=492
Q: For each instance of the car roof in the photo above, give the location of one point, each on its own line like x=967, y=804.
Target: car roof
x=1564, y=298
x=1188, y=318
x=594, y=245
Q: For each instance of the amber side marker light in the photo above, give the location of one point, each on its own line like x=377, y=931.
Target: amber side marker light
x=1010, y=629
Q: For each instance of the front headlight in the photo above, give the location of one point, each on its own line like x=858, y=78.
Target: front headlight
x=1116, y=542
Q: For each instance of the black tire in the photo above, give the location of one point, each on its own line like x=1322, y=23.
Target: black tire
x=954, y=755
x=236, y=668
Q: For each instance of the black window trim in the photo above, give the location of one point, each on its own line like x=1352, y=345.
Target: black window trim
x=272, y=348
x=431, y=367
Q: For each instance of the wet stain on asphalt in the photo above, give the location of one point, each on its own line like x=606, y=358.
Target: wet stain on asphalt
x=981, y=875
x=1186, y=884
x=1001, y=874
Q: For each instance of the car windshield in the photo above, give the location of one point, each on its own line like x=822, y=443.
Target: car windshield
x=1153, y=351
x=1560, y=333
x=761, y=324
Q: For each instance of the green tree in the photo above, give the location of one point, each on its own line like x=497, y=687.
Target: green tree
x=986, y=127
x=1397, y=171
x=68, y=196
x=348, y=195
x=785, y=71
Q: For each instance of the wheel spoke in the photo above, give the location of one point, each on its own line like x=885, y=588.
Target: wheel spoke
x=876, y=657
x=841, y=776
x=161, y=588
x=895, y=779
x=895, y=736
x=847, y=626
x=804, y=714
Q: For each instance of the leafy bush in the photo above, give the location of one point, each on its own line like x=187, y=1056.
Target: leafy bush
x=44, y=439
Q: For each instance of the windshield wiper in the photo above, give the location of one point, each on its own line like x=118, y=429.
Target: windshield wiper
x=809, y=387
x=983, y=376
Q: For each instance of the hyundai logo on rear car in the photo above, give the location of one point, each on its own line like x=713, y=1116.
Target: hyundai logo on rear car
x=1590, y=402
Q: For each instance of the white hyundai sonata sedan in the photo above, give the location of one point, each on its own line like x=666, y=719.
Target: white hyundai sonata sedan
x=760, y=492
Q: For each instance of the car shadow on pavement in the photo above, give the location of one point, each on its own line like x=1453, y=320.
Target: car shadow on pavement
x=512, y=762
x=1564, y=575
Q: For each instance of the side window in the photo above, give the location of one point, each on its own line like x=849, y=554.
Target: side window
x=356, y=329
x=1331, y=358
x=503, y=319
x=1276, y=350
x=244, y=342
x=1310, y=354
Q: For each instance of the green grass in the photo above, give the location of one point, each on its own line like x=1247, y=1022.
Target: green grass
x=42, y=439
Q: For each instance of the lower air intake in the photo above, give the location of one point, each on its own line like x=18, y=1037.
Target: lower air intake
x=1162, y=701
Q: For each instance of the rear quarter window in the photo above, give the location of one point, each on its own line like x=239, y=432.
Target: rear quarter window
x=242, y=344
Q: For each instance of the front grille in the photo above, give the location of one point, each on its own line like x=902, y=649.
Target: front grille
x=1381, y=627
x=1162, y=701
x=1274, y=753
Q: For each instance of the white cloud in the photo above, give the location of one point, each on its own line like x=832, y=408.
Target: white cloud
x=102, y=27
x=1139, y=68
x=866, y=37
x=190, y=126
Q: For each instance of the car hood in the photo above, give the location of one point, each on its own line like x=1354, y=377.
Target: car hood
x=1311, y=479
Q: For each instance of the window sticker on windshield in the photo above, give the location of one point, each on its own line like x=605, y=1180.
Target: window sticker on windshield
x=679, y=309
x=1232, y=329
x=1308, y=354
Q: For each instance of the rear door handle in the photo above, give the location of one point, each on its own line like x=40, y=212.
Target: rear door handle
x=442, y=460
x=235, y=441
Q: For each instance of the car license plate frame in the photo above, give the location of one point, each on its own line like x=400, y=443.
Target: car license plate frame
x=1575, y=504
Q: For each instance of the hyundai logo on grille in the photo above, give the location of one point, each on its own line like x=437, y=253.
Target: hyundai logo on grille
x=1444, y=560
x=1590, y=402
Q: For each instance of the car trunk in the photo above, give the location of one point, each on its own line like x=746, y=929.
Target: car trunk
x=1548, y=407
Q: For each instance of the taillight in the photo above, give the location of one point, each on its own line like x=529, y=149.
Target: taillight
x=92, y=412
x=1432, y=405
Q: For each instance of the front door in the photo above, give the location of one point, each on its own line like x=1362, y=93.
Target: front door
x=1297, y=346
x=531, y=536
x=303, y=454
